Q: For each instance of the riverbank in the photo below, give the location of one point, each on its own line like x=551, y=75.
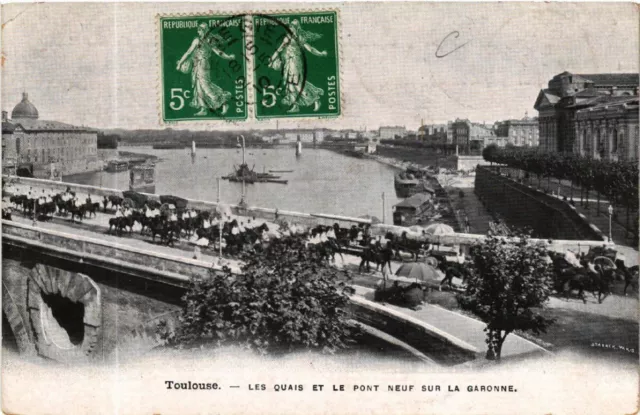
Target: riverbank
x=413, y=156
x=131, y=156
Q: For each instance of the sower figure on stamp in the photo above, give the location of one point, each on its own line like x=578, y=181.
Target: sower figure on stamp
x=288, y=59
x=207, y=96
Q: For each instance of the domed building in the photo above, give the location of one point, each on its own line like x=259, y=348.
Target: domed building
x=52, y=148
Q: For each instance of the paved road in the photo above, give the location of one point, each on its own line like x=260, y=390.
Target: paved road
x=464, y=328
x=137, y=242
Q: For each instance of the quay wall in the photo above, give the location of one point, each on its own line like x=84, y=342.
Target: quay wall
x=524, y=206
x=306, y=219
x=468, y=163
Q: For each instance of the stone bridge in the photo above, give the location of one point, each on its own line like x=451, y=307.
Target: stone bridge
x=72, y=298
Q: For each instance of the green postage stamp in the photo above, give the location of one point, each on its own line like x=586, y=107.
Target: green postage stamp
x=204, y=68
x=294, y=59
x=296, y=65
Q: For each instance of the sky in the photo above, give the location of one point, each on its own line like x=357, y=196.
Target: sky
x=97, y=64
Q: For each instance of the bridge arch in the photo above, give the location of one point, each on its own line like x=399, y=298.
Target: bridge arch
x=65, y=311
x=17, y=325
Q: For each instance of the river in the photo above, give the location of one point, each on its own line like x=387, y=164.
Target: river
x=322, y=181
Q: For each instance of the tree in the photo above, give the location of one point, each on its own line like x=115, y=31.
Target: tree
x=508, y=284
x=489, y=153
x=286, y=299
x=108, y=140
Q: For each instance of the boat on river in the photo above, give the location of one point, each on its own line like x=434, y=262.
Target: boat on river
x=407, y=184
x=117, y=165
x=245, y=174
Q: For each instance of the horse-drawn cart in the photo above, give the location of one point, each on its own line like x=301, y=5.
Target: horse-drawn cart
x=133, y=199
x=179, y=203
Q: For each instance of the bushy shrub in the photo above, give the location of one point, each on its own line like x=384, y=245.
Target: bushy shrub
x=286, y=299
x=410, y=296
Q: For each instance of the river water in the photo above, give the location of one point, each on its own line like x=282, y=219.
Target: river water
x=322, y=181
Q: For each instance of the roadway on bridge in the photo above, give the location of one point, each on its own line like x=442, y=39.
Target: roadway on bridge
x=460, y=326
x=464, y=328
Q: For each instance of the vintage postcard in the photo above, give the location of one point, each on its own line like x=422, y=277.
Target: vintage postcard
x=320, y=208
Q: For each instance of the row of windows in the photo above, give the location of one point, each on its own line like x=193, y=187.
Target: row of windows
x=602, y=142
x=59, y=141
x=49, y=155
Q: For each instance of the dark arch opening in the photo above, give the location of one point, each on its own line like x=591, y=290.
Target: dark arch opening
x=69, y=315
x=9, y=341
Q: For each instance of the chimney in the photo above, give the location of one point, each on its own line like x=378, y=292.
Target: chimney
x=5, y=116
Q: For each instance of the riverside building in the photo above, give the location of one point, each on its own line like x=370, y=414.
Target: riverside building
x=51, y=147
x=594, y=115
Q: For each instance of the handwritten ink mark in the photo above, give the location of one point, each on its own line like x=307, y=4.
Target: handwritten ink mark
x=456, y=35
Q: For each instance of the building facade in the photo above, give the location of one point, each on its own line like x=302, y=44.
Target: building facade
x=608, y=130
x=572, y=114
x=521, y=133
x=390, y=133
x=434, y=133
x=305, y=136
x=470, y=136
x=48, y=145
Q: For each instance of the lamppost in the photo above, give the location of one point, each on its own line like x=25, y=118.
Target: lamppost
x=219, y=228
x=35, y=214
x=610, y=210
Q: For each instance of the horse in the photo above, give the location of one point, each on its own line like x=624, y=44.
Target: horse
x=380, y=256
x=353, y=233
x=6, y=214
x=91, y=208
x=121, y=223
x=116, y=202
x=631, y=279
x=404, y=244
x=166, y=230
x=333, y=246
x=19, y=201
x=61, y=204
x=342, y=235
x=569, y=278
x=188, y=224
x=24, y=202
x=602, y=282
x=47, y=209
x=234, y=243
x=451, y=270
x=75, y=210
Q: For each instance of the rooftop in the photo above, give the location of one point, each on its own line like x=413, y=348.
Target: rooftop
x=34, y=125
x=612, y=78
x=25, y=109
x=613, y=102
x=415, y=201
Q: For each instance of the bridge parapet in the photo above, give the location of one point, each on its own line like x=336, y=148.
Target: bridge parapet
x=176, y=271
x=140, y=262
x=466, y=240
